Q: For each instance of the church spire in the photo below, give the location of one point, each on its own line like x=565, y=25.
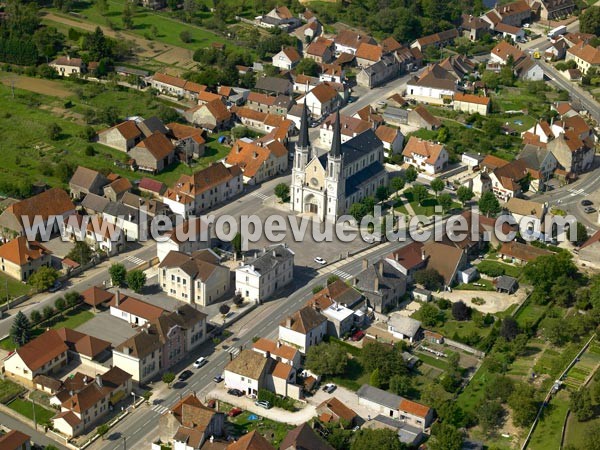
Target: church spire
x=336, y=143
x=303, y=140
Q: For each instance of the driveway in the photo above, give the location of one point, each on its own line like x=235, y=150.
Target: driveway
x=347, y=397
x=107, y=327
x=494, y=301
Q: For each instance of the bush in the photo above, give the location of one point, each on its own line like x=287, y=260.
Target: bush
x=279, y=402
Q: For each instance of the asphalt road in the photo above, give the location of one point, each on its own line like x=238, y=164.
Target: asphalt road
x=36, y=436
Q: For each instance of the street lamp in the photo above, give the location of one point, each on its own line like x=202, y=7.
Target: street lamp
x=133, y=393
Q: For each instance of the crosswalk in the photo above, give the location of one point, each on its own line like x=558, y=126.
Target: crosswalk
x=259, y=195
x=576, y=192
x=160, y=409
x=343, y=275
x=135, y=260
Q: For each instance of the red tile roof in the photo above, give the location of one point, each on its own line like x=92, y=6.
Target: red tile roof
x=13, y=440
x=20, y=251
x=414, y=408
x=421, y=147
x=136, y=307
x=470, y=98
x=250, y=157
x=42, y=349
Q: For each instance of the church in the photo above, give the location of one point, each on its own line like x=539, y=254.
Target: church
x=326, y=186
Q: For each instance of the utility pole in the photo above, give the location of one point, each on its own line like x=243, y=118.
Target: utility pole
x=7, y=295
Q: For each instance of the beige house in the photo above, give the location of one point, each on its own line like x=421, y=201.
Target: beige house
x=584, y=55
x=66, y=66
x=426, y=156
x=187, y=237
x=20, y=258
x=212, y=116
x=153, y=154
x=470, y=103
x=303, y=329
x=198, y=278
x=257, y=160
x=123, y=136
x=176, y=87
x=287, y=58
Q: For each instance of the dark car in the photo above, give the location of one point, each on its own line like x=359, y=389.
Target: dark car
x=218, y=378
x=586, y=203
x=185, y=375
x=57, y=286
x=235, y=392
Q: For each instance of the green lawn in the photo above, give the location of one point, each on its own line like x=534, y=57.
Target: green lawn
x=548, y=431
x=511, y=271
x=9, y=389
x=432, y=361
x=426, y=207
x=273, y=431
x=15, y=288
x=487, y=286
x=530, y=314
x=462, y=329
x=25, y=408
x=473, y=393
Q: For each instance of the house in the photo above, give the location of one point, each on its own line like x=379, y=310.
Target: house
x=122, y=136
x=41, y=212
x=376, y=74
x=407, y=434
x=574, y=155
x=66, y=66
x=348, y=41
x=212, y=116
x=279, y=104
x=102, y=236
x=154, y=4
x=20, y=258
x=529, y=69
x=471, y=159
x=589, y=251
x=516, y=252
x=515, y=14
x=415, y=414
x=96, y=296
x=474, y=27
x=350, y=127
x=440, y=39
x=368, y=54
x=193, y=194
x=527, y=213
x=552, y=9
x=176, y=87
x=94, y=204
x=85, y=181
x=115, y=190
x=370, y=115
x=264, y=122
x=574, y=38
x=303, y=329
x=507, y=181
x=205, y=97
x=274, y=85
x=15, y=440
x=281, y=17
x=126, y=218
x=162, y=343
x=303, y=437
x=435, y=85
x=151, y=207
x=251, y=371
x=503, y=51
x=308, y=31
x=447, y=260
x=433, y=337
x=197, y=278
x=251, y=441
x=340, y=320
x=471, y=103
x=153, y=154
x=287, y=58
x=333, y=410
x=83, y=409
x=152, y=187
x=278, y=351
x=338, y=292
x=421, y=118
x=392, y=139
x=515, y=34
x=187, y=140
x=558, y=50
x=402, y=327
x=540, y=162
x=322, y=100
x=189, y=424
x=45, y=354
x=133, y=310
x=506, y=284
x=322, y=50
x=188, y=237
x=259, y=277
x=381, y=284
x=408, y=259
x=425, y=155
x=257, y=161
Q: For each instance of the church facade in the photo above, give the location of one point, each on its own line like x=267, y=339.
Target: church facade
x=326, y=186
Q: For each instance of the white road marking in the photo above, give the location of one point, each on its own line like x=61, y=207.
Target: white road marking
x=342, y=274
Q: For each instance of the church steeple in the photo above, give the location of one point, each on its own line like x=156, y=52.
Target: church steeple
x=336, y=143
x=303, y=140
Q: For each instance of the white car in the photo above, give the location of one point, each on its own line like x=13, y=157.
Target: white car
x=320, y=260
x=200, y=362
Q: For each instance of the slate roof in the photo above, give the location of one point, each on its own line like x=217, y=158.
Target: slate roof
x=505, y=283
x=273, y=84
x=405, y=325
x=379, y=396
x=304, y=437
x=249, y=364
x=95, y=203
x=200, y=265
x=85, y=178
x=304, y=320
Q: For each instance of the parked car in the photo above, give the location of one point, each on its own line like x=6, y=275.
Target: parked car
x=358, y=335
x=263, y=404
x=200, y=362
x=218, y=378
x=586, y=203
x=320, y=260
x=55, y=287
x=589, y=209
x=235, y=412
x=329, y=388
x=185, y=375
x=235, y=392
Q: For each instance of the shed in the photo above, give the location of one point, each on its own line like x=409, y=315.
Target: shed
x=468, y=275
x=506, y=284
x=422, y=295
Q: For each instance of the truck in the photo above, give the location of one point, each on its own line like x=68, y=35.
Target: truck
x=558, y=31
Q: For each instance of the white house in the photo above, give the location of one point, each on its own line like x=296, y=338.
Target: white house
x=278, y=351
x=402, y=327
x=322, y=100
x=436, y=85
x=133, y=310
x=426, y=156
x=392, y=139
x=303, y=329
x=187, y=237
x=269, y=271
x=287, y=58
x=530, y=212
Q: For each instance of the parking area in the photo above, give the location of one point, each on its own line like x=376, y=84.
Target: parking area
x=107, y=327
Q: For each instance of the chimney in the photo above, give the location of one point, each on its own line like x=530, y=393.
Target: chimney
x=288, y=322
x=99, y=380
x=423, y=256
x=365, y=263
x=267, y=354
x=274, y=253
x=118, y=298
x=278, y=344
x=27, y=244
x=71, y=392
x=85, y=379
x=376, y=284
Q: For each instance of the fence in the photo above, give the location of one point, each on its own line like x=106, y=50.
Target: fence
x=14, y=302
x=465, y=348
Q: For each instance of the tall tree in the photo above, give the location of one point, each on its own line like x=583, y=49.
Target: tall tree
x=488, y=204
x=20, y=330
x=136, y=279
x=437, y=185
x=326, y=359
x=589, y=20
x=118, y=274
x=464, y=194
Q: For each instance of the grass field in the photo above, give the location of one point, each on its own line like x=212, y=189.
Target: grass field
x=549, y=429
x=425, y=208
x=8, y=390
x=25, y=408
x=461, y=329
x=530, y=314
x=273, y=431
x=15, y=288
x=487, y=286
x=511, y=271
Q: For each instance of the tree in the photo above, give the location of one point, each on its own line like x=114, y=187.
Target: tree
x=581, y=234
x=445, y=437
x=358, y=211
x=43, y=278
x=464, y=194
x=318, y=288
x=460, y=311
x=128, y=16
x=489, y=415
x=581, y=404
x=382, y=193
x=168, y=378
x=386, y=359
x=411, y=174
x=419, y=193
x=81, y=253
x=54, y=130
x=397, y=184
x=445, y=201
x=382, y=439
x=73, y=298
x=375, y=379
x=509, y=328
x=282, y=191
x=20, y=330
x=523, y=404
x=238, y=300
x=118, y=274
x=437, y=185
x=186, y=36
x=400, y=384
x=488, y=204
x=224, y=309
x=589, y=20
x=136, y=279
x=499, y=388
x=60, y=304
x=47, y=312
x=332, y=279
x=101, y=430
x=430, y=279
x=236, y=243
x=308, y=67
x=326, y=359
x=35, y=316
x=429, y=315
